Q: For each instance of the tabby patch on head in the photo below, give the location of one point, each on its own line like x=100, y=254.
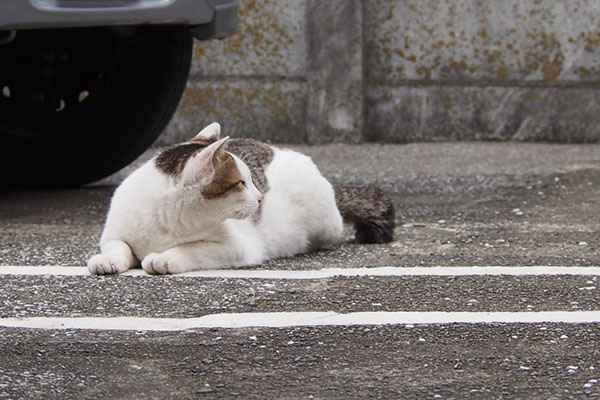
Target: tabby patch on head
x=227, y=179
x=172, y=160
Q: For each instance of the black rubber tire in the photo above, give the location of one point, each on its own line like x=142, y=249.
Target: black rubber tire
x=106, y=95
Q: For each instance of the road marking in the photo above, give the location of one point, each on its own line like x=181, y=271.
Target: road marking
x=323, y=273
x=293, y=319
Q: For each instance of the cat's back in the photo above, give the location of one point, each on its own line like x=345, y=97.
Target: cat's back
x=294, y=171
x=299, y=211
x=271, y=166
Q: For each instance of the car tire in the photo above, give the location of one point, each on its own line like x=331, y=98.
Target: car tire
x=78, y=104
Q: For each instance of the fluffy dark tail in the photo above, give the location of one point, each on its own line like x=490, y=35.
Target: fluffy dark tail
x=370, y=210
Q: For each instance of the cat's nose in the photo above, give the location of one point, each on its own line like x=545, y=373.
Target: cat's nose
x=259, y=198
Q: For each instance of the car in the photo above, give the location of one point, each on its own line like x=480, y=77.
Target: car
x=86, y=86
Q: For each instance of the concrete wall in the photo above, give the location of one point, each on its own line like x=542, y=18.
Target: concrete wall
x=399, y=71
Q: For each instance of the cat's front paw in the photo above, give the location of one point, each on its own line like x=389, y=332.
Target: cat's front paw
x=102, y=264
x=160, y=264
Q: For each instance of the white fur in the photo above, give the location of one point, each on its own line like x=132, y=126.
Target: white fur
x=167, y=225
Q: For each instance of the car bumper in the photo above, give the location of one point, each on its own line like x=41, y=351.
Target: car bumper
x=209, y=18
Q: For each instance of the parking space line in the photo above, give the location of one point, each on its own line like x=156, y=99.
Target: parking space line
x=324, y=273
x=295, y=319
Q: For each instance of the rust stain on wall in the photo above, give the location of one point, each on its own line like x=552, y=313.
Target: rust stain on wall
x=433, y=40
x=270, y=40
x=501, y=74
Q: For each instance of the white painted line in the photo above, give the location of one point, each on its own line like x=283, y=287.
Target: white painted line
x=292, y=319
x=323, y=273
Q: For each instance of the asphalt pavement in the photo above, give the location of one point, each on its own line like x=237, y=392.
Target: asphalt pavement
x=415, y=318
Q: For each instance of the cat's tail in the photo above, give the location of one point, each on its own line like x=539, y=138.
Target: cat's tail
x=370, y=210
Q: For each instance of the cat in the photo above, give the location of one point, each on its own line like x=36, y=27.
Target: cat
x=217, y=202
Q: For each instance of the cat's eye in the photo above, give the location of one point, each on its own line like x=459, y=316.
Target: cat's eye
x=243, y=183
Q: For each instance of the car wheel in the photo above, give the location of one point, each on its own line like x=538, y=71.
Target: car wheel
x=79, y=104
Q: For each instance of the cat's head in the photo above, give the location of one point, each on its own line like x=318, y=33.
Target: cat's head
x=203, y=167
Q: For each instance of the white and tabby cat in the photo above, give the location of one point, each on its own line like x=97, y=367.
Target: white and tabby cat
x=221, y=203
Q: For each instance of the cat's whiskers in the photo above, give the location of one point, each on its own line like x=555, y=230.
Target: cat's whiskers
x=242, y=212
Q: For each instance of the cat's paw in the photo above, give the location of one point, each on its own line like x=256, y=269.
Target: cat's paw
x=160, y=264
x=102, y=264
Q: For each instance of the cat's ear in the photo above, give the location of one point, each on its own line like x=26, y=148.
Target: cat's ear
x=201, y=166
x=211, y=133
